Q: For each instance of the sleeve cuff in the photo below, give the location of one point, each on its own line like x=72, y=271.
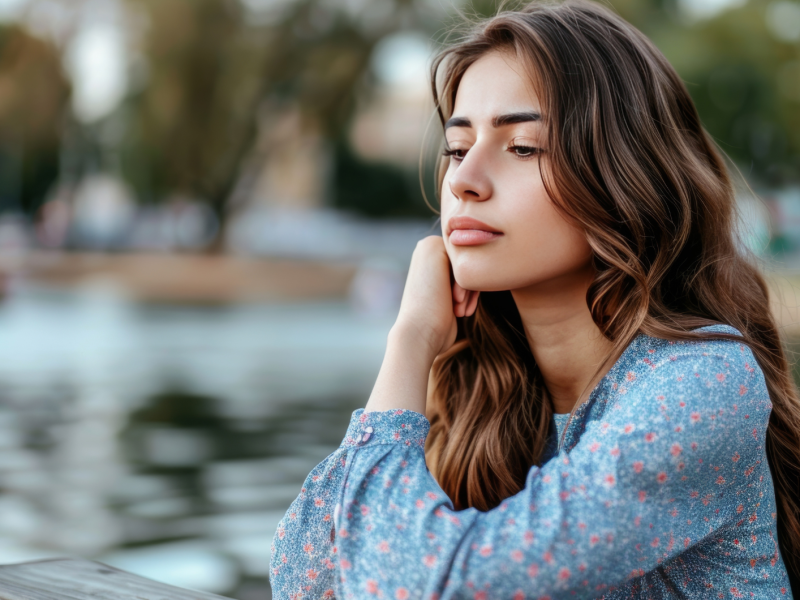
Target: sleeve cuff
x=395, y=426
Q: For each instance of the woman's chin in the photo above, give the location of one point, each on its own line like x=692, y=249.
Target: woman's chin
x=479, y=282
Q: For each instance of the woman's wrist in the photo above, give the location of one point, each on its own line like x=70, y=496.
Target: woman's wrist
x=410, y=338
x=403, y=378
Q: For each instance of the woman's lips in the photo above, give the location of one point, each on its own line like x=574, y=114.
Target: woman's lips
x=468, y=231
x=472, y=237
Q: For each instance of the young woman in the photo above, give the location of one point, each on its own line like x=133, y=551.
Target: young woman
x=609, y=408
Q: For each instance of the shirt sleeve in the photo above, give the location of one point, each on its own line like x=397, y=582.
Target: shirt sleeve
x=660, y=472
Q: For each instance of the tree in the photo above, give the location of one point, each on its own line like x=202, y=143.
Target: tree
x=34, y=98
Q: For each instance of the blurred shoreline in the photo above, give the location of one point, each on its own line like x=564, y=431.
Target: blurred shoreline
x=182, y=278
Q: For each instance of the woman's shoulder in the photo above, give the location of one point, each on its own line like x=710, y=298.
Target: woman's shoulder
x=669, y=350
x=686, y=383
x=650, y=360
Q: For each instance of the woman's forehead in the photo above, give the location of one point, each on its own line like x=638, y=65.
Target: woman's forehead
x=496, y=84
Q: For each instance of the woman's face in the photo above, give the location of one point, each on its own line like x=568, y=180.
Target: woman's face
x=497, y=139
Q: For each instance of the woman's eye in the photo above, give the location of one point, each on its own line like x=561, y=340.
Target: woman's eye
x=525, y=151
x=456, y=154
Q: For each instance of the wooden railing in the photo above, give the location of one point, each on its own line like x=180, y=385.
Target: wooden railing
x=74, y=579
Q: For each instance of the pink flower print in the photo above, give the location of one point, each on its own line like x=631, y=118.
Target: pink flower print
x=533, y=570
x=662, y=477
x=401, y=593
x=610, y=479
x=516, y=555
x=328, y=594
x=326, y=518
x=614, y=451
x=695, y=417
x=638, y=466
x=642, y=495
x=735, y=457
x=742, y=390
x=308, y=548
x=594, y=538
x=631, y=376
x=686, y=542
x=312, y=574
x=676, y=449
x=548, y=557
x=281, y=533
x=563, y=573
x=383, y=546
x=649, y=437
x=429, y=560
x=481, y=595
x=629, y=428
x=420, y=503
x=528, y=537
x=364, y=510
x=396, y=435
x=720, y=377
x=486, y=550
x=519, y=595
x=372, y=586
x=594, y=447
x=344, y=563
x=363, y=418
x=720, y=480
x=655, y=542
x=319, y=502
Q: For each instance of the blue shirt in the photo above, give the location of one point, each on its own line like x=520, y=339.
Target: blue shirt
x=661, y=490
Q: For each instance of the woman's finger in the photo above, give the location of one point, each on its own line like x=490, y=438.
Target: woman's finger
x=459, y=293
x=472, y=304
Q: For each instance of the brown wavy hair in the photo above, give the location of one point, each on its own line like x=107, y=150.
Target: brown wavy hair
x=631, y=165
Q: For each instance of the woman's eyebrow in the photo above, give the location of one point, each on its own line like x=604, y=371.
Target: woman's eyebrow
x=499, y=120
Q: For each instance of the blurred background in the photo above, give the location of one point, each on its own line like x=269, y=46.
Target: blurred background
x=207, y=209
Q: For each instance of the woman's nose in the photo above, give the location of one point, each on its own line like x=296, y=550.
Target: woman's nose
x=470, y=181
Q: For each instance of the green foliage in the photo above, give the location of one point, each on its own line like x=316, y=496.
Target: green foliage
x=740, y=77
x=375, y=189
x=34, y=95
x=188, y=128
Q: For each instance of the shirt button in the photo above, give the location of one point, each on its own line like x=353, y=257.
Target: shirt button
x=367, y=433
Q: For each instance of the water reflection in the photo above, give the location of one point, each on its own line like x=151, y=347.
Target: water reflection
x=167, y=440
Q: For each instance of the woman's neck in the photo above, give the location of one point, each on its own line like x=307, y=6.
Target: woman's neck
x=566, y=343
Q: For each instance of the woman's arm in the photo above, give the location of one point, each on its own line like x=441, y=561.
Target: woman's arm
x=640, y=487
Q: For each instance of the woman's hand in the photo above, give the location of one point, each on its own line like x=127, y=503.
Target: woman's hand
x=425, y=327
x=432, y=299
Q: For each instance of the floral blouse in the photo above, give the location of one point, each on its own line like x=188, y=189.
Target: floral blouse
x=661, y=490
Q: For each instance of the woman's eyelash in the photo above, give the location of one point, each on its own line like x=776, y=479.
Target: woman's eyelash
x=527, y=152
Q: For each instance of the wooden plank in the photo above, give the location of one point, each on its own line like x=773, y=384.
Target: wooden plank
x=76, y=579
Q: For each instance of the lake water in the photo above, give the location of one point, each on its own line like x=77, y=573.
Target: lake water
x=169, y=440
